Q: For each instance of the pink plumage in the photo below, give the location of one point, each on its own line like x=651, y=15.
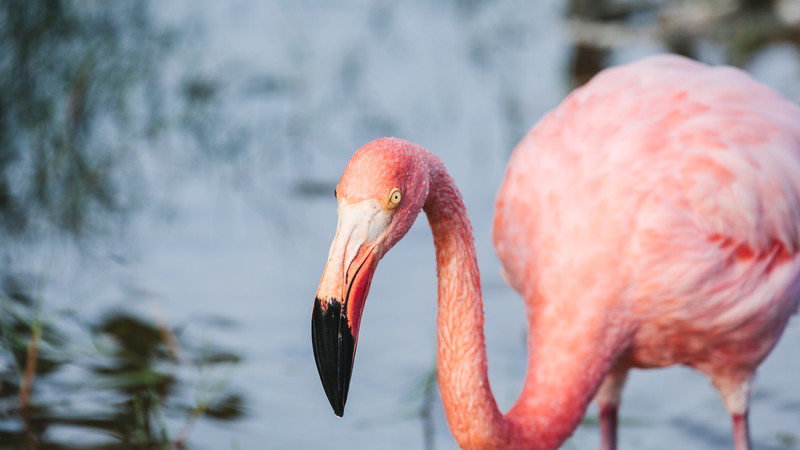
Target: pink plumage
x=652, y=219
x=663, y=200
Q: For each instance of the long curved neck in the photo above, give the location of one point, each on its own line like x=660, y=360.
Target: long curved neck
x=471, y=410
x=547, y=412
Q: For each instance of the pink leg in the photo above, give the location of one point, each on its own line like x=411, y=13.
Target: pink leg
x=608, y=427
x=735, y=388
x=741, y=432
x=608, y=398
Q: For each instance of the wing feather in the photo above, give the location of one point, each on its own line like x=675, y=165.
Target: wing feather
x=684, y=179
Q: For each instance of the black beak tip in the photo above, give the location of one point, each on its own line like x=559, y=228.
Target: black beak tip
x=334, y=348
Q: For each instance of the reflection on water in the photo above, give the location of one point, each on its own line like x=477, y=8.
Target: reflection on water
x=121, y=382
x=79, y=92
x=738, y=30
x=77, y=89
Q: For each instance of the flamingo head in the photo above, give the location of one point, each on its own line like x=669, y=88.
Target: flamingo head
x=380, y=194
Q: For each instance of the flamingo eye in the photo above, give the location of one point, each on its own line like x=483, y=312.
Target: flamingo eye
x=336, y=192
x=395, y=196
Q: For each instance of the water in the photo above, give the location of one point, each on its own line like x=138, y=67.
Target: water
x=259, y=107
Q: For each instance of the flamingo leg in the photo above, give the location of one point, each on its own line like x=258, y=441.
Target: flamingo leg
x=741, y=432
x=735, y=392
x=608, y=400
x=608, y=427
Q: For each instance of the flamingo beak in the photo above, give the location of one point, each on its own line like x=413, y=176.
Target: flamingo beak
x=354, y=255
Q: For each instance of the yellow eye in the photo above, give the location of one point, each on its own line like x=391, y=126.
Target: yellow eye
x=395, y=196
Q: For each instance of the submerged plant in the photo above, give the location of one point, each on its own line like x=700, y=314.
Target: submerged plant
x=115, y=383
x=78, y=90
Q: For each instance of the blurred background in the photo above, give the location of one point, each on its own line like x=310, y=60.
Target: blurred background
x=166, y=207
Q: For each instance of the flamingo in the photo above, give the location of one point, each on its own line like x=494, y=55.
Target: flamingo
x=652, y=219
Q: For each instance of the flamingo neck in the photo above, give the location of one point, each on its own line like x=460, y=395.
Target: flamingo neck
x=553, y=398
x=469, y=405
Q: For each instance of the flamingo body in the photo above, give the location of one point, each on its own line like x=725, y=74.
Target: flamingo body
x=652, y=219
x=662, y=201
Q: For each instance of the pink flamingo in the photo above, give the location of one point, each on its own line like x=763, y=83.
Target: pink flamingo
x=650, y=220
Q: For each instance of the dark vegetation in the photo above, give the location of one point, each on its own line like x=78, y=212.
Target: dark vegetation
x=79, y=97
